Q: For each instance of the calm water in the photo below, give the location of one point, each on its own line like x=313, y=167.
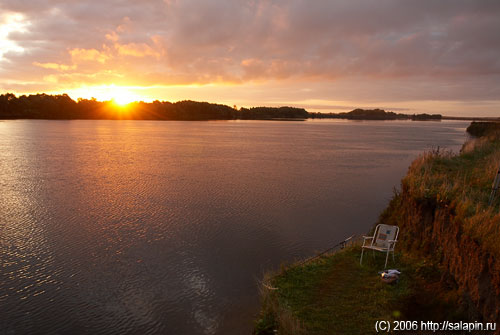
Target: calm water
x=114, y=227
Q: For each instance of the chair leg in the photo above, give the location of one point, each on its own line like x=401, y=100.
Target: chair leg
x=361, y=259
x=386, y=258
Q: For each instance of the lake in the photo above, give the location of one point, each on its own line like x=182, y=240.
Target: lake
x=151, y=227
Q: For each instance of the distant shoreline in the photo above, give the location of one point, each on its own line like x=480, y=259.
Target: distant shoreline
x=62, y=107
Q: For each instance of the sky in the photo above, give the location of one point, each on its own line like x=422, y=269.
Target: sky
x=408, y=56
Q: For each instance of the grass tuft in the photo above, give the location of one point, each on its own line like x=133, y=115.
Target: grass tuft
x=462, y=182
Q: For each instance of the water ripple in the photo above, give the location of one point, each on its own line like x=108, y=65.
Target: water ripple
x=161, y=227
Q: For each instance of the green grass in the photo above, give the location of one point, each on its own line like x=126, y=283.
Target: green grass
x=335, y=295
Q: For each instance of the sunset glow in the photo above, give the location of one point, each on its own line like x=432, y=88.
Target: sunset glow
x=208, y=167
x=121, y=95
x=413, y=56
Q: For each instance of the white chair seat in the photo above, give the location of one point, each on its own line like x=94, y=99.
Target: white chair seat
x=376, y=248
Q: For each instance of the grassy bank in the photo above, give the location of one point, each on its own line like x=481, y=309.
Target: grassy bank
x=460, y=184
x=448, y=251
x=335, y=295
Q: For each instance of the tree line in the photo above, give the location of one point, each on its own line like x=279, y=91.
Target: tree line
x=62, y=107
x=56, y=107
x=375, y=114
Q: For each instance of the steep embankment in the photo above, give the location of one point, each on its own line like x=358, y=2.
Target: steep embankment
x=444, y=213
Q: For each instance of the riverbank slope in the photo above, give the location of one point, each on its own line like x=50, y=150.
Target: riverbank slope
x=448, y=252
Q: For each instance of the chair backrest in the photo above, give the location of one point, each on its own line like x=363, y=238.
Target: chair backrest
x=384, y=233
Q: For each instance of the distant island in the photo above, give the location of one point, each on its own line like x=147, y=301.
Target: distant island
x=63, y=107
x=375, y=114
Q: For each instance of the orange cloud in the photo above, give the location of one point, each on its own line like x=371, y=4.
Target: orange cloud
x=137, y=50
x=81, y=55
x=112, y=36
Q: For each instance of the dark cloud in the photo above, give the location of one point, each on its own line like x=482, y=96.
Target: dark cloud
x=452, y=43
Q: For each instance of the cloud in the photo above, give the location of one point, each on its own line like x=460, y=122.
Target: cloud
x=82, y=55
x=140, y=50
x=417, y=44
x=55, y=66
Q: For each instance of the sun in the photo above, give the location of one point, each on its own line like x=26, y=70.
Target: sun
x=121, y=95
